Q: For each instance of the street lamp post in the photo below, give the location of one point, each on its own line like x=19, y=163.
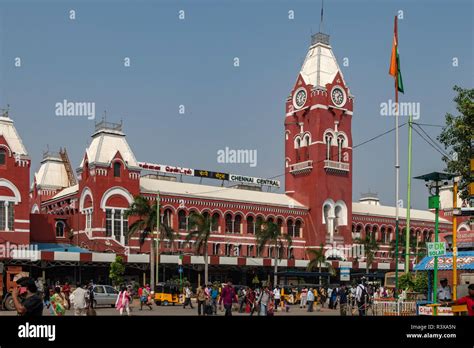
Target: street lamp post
x=434, y=181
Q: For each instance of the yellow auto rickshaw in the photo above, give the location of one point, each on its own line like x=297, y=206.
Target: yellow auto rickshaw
x=288, y=294
x=166, y=294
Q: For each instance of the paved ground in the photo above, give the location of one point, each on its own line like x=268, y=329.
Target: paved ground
x=178, y=310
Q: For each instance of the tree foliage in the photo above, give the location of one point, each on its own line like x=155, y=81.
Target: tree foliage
x=117, y=270
x=456, y=137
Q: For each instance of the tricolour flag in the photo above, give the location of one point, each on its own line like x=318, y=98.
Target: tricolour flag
x=395, y=60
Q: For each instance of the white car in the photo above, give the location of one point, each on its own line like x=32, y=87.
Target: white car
x=104, y=295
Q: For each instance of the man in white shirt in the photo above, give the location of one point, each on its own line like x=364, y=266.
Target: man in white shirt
x=361, y=297
x=79, y=301
x=444, y=291
x=277, y=297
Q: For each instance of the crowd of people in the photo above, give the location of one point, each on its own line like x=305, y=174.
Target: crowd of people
x=32, y=297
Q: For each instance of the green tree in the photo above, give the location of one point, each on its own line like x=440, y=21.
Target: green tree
x=317, y=260
x=117, y=270
x=406, y=281
x=370, y=245
x=417, y=247
x=145, y=224
x=270, y=233
x=456, y=137
x=200, y=227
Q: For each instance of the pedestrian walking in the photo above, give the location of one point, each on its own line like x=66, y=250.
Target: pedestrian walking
x=213, y=299
x=228, y=296
x=144, y=295
x=303, y=297
x=78, y=300
x=361, y=297
x=263, y=301
x=187, y=297
x=342, y=298
x=241, y=296
x=310, y=299
x=277, y=297
x=123, y=301
x=201, y=300
x=57, y=303
x=67, y=292
x=250, y=301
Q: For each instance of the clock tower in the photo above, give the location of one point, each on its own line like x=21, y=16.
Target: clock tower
x=318, y=145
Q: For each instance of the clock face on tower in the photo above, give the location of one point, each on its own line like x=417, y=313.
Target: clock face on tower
x=338, y=96
x=299, y=98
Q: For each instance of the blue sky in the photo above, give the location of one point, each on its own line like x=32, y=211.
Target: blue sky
x=190, y=62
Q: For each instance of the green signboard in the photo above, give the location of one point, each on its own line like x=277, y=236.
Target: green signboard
x=433, y=202
x=436, y=248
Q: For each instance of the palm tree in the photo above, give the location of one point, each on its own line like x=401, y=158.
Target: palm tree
x=200, y=227
x=145, y=224
x=371, y=246
x=318, y=260
x=270, y=233
x=417, y=248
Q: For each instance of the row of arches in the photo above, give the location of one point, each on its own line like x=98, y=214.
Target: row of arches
x=232, y=249
x=232, y=223
x=385, y=234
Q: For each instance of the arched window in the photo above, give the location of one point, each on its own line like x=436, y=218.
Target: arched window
x=328, y=140
x=383, y=235
x=307, y=140
x=250, y=250
x=60, y=229
x=228, y=223
x=237, y=222
x=182, y=220
x=216, y=249
x=280, y=224
x=290, y=253
x=258, y=224
x=250, y=225
x=215, y=222
x=290, y=227
x=3, y=156
x=340, y=143
x=297, y=229
x=167, y=221
x=117, y=169
x=297, y=142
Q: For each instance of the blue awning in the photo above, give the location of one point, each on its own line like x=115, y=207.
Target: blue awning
x=465, y=261
x=59, y=247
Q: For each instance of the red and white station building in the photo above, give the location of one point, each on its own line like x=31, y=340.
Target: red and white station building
x=81, y=221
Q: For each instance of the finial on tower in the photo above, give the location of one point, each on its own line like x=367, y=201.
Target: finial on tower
x=322, y=16
x=320, y=37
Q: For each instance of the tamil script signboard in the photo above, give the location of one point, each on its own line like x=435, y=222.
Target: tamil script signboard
x=163, y=168
x=436, y=248
x=428, y=310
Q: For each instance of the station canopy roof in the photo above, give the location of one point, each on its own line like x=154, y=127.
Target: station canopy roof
x=60, y=247
x=465, y=261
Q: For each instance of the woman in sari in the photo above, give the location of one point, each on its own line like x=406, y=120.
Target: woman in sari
x=57, y=300
x=123, y=301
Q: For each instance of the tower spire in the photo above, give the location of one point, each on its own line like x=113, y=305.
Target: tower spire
x=322, y=16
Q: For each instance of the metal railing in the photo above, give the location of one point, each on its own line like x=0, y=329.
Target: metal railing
x=328, y=164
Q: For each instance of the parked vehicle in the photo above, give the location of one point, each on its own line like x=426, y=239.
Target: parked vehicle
x=104, y=295
x=7, y=283
x=165, y=294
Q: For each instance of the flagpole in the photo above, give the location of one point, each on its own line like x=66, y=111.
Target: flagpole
x=407, y=232
x=397, y=175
